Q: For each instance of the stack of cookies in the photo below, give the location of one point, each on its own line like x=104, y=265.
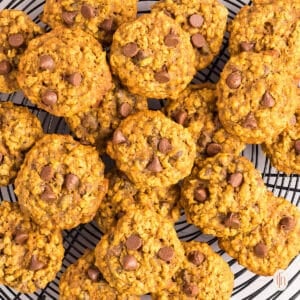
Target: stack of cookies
x=186, y=156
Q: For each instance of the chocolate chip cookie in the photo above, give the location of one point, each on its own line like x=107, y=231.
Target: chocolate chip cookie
x=195, y=109
x=141, y=254
x=83, y=280
x=271, y=245
x=97, y=125
x=99, y=18
x=53, y=80
x=123, y=195
x=204, y=275
x=152, y=150
x=61, y=182
x=16, y=30
x=205, y=22
x=284, y=151
x=143, y=53
x=256, y=97
x=30, y=255
x=225, y=196
x=19, y=130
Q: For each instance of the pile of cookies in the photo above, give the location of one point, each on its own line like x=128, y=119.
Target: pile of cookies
x=186, y=156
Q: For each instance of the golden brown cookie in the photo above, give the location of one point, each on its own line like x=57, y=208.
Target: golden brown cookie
x=152, y=150
x=30, y=255
x=271, y=245
x=61, y=182
x=143, y=53
x=16, y=30
x=53, y=80
x=141, y=254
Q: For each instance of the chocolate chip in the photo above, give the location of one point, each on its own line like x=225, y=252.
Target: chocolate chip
x=107, y=25
x=49, y=98
x=88, y=11
x=69, y=17
x=172, y=39
x=125, y=109
x=190, y=289
x=75, y=79
x=166, y=253
x=213, y=148
x=260, y=250
x=21, y=237
x=196, y=257
x=16, y=40
x=141, y=55
x=5, y=67
x=297, y=146
x=287, y=223
x=71, y=182
x=245, y=46
x=232, y=221
x=250, y=121
x=180, y=117
x=196, y=20
x=118, y=137
x=93, y=273
x=134, y=242
x=35, y=264
x=235, y=179
x=130, y=49
x=162, y=76
x=48, y=194
x=46, y=62
x=47, y=173
x=154, y=165
x=198, y=40
x=164, y=146
x=200, y=194
x=129, y=263
x=267, y=100
x=234, y=80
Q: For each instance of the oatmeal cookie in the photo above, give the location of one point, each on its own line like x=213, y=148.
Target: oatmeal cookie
x=271, y=245
x=53, y=80
x=152, y=150
x=143, y=53
x=141, y=254
x=61, y=182
x=225, y=196
x=30, y=255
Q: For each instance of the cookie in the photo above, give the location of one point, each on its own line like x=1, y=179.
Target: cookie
x=30, y=255
x=225, y=196
x=195, y=109
x=123, y=195
x=143, y=53
x=83, y=280
x=19, y=130
x=16, y=30
x=205, y=23
x=53, y=80
x=203, y=275
x=256, y=97
x=99, y=18
x=263, y=27
x=152, y=150
x=141, y=254
x=61, y=182
x=273, y=244
x=284, y=151
x=97, y=125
